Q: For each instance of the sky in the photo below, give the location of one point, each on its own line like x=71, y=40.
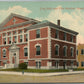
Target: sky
x=71, y=13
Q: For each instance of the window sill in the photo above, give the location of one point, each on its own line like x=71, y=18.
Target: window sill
x=25, y=56
x=4, y=57
x=57, y=55
x=37, y=55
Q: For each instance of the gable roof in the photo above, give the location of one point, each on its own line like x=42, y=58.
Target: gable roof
x=14, y=15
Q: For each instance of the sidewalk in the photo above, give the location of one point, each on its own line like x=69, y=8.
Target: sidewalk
x=41, y=74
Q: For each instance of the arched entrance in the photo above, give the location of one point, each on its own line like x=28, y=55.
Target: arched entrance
x=14, y=55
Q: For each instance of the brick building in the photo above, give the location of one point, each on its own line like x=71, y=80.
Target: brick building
x=39, y=44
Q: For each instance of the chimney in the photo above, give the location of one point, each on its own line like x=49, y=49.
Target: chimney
x=58, y=22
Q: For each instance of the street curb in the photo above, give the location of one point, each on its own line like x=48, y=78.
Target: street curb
x=41, y=74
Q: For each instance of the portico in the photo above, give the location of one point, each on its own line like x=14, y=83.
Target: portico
x=14, y=55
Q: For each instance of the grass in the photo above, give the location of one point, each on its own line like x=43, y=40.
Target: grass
x=36, y=70
x=78, y=69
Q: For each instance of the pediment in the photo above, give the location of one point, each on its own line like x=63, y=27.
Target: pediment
x=14, y=19
x=13, y=47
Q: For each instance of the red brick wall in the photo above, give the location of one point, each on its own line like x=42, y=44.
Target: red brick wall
x=44, y=63
x=61, y=44
x=7, y=53
x=18, y=38
x=21, y=61
x=1, y=39
x=18, y=20
x=43, y=33
x=21, y=51
x=44, y=49
x=32, y=63
x=61, y=35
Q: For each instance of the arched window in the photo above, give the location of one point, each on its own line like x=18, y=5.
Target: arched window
x=38, y=52
x=65, y=51
x=4, y=53
x=72, y=51
x=25, y=52
x=57, y=50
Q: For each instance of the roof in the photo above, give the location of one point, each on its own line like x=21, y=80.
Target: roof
x=15, y=15
x=30, y=20
x=48, y=23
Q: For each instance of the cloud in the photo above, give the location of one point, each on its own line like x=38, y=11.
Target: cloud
x=80, y=39
x=15, y=9
x=73, y=20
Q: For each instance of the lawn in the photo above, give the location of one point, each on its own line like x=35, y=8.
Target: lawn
x=36, y=70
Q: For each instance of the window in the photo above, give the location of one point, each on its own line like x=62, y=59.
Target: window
x=9, y=33
x=82, y=64
x=38, y=64
x=57, y=50
x=82, y=51
x=71, y=38
x=20, y=38
x=77, y=52
x=4, y=40
x=25, y=52
x=57, y=34
x=38, y=33
x=4, y=34
x=72, y=51
x=37, y=50
x=77, y=64
x=65, y=51
x=26, y=37
x=20, y=31
x=65, y=37
x=57, y=64
x=15, y=38
x=9, y=40
x=14, y=32
x=4, y=53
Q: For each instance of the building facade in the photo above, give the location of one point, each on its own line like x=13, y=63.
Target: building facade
x=80, y=55
x=41, y=45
